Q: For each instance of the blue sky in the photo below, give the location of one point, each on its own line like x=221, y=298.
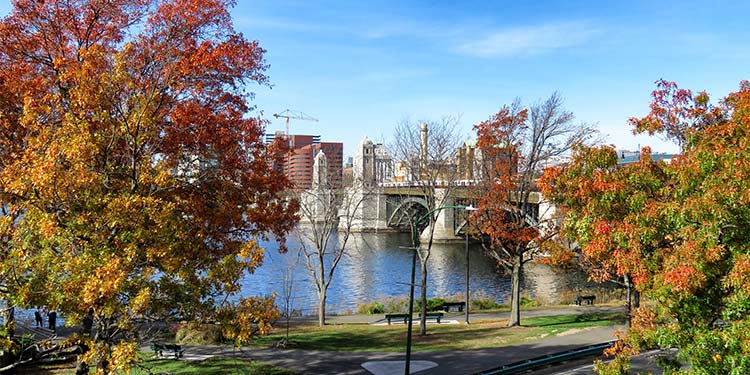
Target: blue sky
x=360, y=67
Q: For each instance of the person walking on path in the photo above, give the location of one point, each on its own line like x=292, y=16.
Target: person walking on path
x=38, y=317
x=53, y=321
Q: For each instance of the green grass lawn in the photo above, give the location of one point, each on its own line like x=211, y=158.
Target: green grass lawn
x=484, y=334
x=211, y=366
x=362, y=338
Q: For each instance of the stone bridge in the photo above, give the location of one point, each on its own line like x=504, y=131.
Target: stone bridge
x=390, y=207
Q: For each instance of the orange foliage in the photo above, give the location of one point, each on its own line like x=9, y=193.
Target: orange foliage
x=678, y=230
x=134, y=176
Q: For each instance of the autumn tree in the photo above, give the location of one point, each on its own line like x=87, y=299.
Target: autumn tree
x=134, y=180
x=615, y=192
x=513, y=220
x=680, y=229
x=676, y=113
x=426, y=154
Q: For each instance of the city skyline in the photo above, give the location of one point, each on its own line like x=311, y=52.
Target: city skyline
x=360, y=68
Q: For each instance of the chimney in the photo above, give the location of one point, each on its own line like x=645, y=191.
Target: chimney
x=424, y=144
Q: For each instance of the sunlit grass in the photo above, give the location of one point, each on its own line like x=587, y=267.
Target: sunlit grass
x=151, y=366
x=484, y=334
x=210, y=366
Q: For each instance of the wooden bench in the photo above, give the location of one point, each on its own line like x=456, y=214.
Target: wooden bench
x=159, y=349
x=460, y=305
x=430, y=315
x=589, y=300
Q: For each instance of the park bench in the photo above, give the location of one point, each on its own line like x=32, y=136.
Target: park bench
x=589, y=300
x=159, y=349
x=430, y=315
x=460, y=305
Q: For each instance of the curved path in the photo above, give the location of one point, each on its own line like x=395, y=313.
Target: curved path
x=449, y=362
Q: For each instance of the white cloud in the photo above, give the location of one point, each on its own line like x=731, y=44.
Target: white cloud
x=529, y=40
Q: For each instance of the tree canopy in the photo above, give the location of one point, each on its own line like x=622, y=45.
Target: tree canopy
x=679, y=228
x=513, y=146
x=133, y=179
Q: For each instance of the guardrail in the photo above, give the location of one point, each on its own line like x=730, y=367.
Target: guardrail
x=534, y=363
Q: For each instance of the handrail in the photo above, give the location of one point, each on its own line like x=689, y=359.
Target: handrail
x=529, y=364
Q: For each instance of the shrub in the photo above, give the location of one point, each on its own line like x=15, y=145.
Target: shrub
x=370, y=308
x=435, y=304
x=485, y=304
x=199, y=334
x=527, y=301
x=396, y=304
x=480, y=300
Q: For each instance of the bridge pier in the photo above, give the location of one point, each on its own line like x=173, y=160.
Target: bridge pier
x=445, y=223
x=367, y=208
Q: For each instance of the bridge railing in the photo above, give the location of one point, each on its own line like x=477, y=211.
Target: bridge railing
x=438, y=183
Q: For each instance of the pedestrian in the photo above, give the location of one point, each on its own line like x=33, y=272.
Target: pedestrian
x=53, y=321
x=38, y=317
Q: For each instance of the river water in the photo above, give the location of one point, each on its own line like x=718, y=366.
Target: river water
x=374, y=268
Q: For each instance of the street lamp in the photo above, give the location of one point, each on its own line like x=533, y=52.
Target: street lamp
x=415, y=241
x=466, y=233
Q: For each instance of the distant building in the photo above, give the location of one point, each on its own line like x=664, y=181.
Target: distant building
x=372, y=163
x=625, y=157
x=472, y=164
x=298, y=167
x=466, y=162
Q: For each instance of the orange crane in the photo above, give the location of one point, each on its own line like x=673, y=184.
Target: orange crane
x=297, y=115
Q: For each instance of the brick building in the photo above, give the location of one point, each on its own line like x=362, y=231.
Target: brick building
x=299, y=165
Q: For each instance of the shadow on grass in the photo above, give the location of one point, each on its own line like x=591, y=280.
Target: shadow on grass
x=45, y=369
x=211, y=366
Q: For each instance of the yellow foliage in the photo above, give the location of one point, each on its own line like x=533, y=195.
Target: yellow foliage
x=141, y=302
x=123, y=355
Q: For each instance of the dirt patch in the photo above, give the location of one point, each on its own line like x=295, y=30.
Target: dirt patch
x=573, y=331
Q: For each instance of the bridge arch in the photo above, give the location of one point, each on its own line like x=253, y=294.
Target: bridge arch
x=401, y=216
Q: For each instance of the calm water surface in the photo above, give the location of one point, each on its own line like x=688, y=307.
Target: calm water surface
x=375, y=267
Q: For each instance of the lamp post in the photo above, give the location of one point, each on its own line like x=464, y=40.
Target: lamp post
x=466, y=233
x=415, y=241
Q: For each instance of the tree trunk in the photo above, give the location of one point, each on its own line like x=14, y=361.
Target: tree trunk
x=103, y=335
x=6, y=357
x=515, y=292
x=87, y=324
x=423, y=300
x=636, y=298
x=322, y=307
x=628, y=301
x=10, y=321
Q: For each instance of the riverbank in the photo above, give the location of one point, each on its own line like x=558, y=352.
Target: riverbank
x=349, y=358
x=351, y=340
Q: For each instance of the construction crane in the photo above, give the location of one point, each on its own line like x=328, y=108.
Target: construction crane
x=297, y=115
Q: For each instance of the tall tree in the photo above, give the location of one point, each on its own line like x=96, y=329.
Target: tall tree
x=426, y=153
x=134, y=180
x=676, y=113
x=327, y=217
x=515, y=145
x=680, y=229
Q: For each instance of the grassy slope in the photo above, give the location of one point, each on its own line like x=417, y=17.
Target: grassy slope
x=360, y=337
x=439, y=337
x=211, y=366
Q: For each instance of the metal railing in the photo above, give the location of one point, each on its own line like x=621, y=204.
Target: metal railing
x=550, y=359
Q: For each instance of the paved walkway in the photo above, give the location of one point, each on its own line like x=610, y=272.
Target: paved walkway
x=448, y=362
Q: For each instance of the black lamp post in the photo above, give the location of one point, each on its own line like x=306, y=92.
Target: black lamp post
x=415, y=241
x=466, y=233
